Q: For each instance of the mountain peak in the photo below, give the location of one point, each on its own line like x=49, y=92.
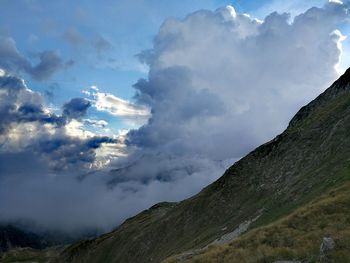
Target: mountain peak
x=336, y=89
x=344, y=79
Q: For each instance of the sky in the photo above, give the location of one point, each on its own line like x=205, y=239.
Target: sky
x=108, y=107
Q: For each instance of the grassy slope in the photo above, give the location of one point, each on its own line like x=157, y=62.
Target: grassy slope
x=311, y=156
x=295, y=237
x=30, y=255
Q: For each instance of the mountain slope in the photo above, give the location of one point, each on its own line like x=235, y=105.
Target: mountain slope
x=30, y=255
x=295, y=237
x=13, y=237
x=312, y=155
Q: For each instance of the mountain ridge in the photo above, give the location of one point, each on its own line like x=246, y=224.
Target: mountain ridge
x=309, y=157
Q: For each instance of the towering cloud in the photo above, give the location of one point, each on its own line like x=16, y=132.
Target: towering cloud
x=244, y=77
x=221, y=83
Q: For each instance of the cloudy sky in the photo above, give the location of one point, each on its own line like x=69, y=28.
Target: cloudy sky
x=107, y=107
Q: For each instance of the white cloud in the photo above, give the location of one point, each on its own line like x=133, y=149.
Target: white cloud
x=75, y=128
x=216, y=83
x=135, y=114
x=339, y=38
x=336, y=1
x=86, y=92
x=294, y=7
x=220, y=84
x=96, y=123
x=94, y=88
x=121, y=108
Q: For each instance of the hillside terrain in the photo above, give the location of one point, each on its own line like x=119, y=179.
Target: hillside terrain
x=297, y=237
x=30, y=255
x=310, y=157
x=13, y=237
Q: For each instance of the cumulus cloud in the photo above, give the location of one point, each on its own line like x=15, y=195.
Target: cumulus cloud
x=20, y=105
x=220, y=83
x=45, y=158
x=13, y=61
x=76, y=108
x=27, y=125
x=229, y=71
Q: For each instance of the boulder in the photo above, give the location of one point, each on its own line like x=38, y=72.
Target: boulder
x=327, y=245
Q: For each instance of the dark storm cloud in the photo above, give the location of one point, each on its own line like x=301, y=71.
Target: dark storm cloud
x=65, y=153
x=76, y=108
x=20, y=106
x=49, y=63
x=13, y=61
x=35, y=113
x=10, y=58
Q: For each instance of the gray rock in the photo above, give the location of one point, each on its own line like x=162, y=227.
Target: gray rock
x=327, y=245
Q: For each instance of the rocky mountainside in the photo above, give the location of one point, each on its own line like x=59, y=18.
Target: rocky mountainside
x=310, y=157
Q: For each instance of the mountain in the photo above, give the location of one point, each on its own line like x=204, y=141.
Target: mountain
x=285, y=175
x=19, y=244
x=297, y=237
x=30, y=255
x=14, y=237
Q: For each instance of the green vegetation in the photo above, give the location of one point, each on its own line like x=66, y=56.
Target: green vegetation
x=295, y=237
x=29, y=255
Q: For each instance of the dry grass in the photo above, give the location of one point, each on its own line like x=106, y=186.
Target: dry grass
x=295, y=237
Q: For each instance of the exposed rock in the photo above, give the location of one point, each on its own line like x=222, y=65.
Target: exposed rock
x=243, y=227
x=327, y=245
